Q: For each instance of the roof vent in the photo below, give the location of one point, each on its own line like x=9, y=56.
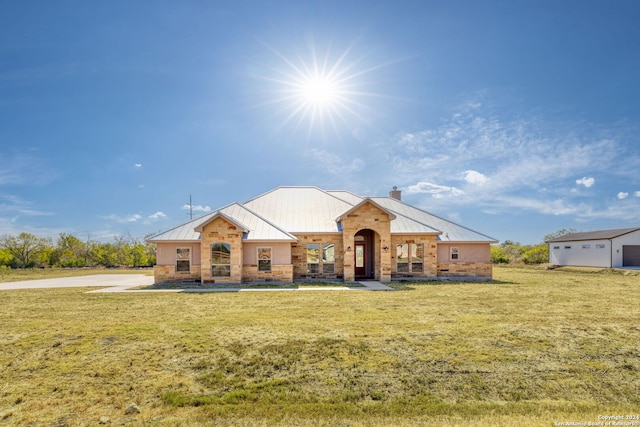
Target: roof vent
x=395, y=193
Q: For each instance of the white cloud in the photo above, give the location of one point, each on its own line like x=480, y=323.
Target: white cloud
x=138, y=165
x=587, y=182
x=122, y=219
x=336, y=164
x=157, y=215
x=526, y=163
x=474, y=177
x=637, y=194
x=435, y=190
x=197, y=208
x=622, y=195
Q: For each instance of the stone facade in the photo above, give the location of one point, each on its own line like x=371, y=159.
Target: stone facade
x=367, y=225
x=465, y=269
x=368, y=216
x=299, y=256
x=278, y=273
x=167, y=274
x=430, y=257
x=221, y=230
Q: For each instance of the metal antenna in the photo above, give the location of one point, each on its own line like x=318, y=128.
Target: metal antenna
x=190, y=208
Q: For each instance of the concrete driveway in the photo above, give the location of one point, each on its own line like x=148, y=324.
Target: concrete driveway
x=123, y=282
x=118, y=281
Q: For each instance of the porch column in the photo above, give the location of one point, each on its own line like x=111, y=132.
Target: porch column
x=349, y=268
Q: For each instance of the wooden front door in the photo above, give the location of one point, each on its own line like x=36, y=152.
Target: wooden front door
x=360, y=260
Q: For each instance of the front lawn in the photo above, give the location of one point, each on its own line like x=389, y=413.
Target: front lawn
x=532, y=347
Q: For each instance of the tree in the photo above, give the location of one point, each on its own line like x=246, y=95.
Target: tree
x=558, y=233
x=538, y=254
x=71, y=251
x=499, y=255
x=6, y=259
x=25, y=248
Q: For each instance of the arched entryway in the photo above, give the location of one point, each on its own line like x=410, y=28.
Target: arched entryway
x=366, y=257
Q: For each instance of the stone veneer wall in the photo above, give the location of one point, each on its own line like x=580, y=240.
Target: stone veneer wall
x=278, y=273
x=167, y=274
x=368, y=216
x=465, y=269
x=299, y=255
x=430, y=262
x=220, y=230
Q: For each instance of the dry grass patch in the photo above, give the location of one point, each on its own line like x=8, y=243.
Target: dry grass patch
x=530, y=348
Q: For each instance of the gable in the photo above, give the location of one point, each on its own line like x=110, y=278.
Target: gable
x=367, y=208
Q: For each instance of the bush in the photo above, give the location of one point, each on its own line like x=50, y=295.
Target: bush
x=499, y=255
x=537, y=255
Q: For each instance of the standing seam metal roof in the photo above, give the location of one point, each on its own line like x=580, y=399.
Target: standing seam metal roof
x=259, y=228
x=279, y=213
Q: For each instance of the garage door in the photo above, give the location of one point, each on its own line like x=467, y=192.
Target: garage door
x=631, y=256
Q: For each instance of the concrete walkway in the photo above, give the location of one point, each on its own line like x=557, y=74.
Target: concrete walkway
x=376, y=286
x=109, y=283
x=366, y=286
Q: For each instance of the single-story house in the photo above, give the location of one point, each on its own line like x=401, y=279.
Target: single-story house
x=605, y=248
x=305, y=233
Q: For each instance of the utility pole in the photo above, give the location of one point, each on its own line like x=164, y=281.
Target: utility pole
x=190, y=208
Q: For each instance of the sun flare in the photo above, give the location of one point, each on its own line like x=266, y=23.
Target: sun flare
x=321, y=91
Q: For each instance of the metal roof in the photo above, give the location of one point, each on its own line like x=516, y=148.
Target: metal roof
x=300, y=209
x=346, y=196
x=593, y=235
x=451, y=232
x=255, y=227
x=285, y=211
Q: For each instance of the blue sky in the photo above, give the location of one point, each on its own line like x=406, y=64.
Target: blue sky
x=514, y=118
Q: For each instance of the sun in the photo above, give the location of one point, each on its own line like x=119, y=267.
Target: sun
x=318, y=91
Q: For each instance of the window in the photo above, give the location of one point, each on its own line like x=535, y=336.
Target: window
x=556, y=247
x=313, y=258
x=417, y=257
x=454, y=253
x=409, y=257
x=183, y=260
x=600, y=246
x=402, y=257
x=567, y=247
x=264, y=259
x=221, y=260
x=328, y=258
x=586, y=246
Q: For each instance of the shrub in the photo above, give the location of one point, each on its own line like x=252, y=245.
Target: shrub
x=537, y=255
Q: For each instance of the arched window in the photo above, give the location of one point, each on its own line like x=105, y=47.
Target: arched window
x=221, y=260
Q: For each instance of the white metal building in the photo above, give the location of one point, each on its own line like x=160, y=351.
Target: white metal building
x=605, y=248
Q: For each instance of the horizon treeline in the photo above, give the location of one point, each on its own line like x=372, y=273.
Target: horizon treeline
x=68, y=251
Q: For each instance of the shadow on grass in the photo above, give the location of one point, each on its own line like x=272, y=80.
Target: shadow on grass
x=411, y=285
x=240, y=286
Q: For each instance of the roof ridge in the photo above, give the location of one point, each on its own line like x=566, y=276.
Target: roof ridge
x=437, y=216
x=267, y=221
x=193, y=220
x=280, y=187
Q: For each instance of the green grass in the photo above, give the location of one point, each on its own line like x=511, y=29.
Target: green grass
x=533, y=347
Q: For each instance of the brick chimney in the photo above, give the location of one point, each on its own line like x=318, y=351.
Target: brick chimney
x=395, y=193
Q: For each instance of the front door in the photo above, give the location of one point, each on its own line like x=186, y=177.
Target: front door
x=360, y=260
